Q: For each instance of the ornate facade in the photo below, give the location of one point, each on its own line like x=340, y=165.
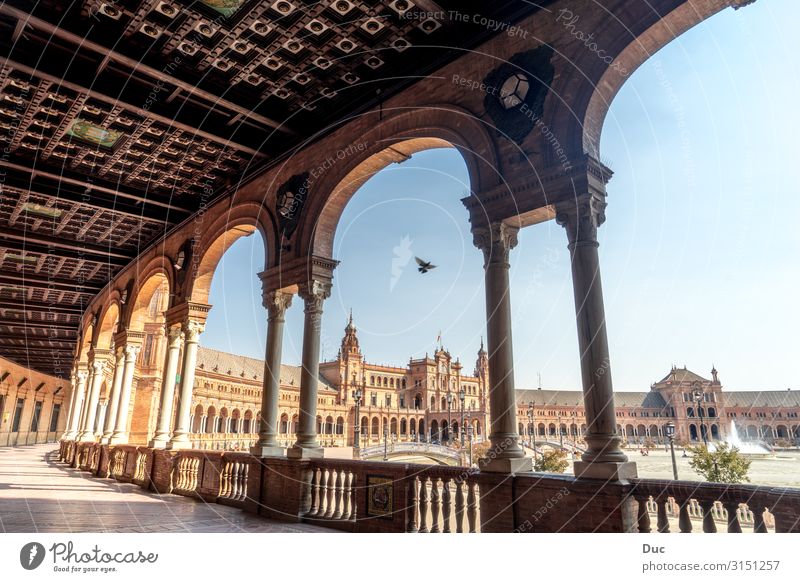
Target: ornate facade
x=766, y=415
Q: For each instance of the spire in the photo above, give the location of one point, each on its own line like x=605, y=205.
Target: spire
x=350, y=339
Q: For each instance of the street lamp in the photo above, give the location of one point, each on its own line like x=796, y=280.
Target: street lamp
x=357, y=395
x=449, y=420
x=532, y=428
x=671, y=437
x=698, y=398
x=469, y=434
x=462, y=396
x=560, y=432
x=385, y=443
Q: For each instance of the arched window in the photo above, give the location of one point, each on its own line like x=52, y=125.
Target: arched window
x=372, y=380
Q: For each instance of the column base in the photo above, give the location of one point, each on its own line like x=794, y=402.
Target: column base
x=296, y=452
x=68, y=436
x=105, y=439
x=606, y=471
x=179, y=443
x=118, y=439
x=86, y=438
x=512, y=465
x=267, y=451
x=157, y=443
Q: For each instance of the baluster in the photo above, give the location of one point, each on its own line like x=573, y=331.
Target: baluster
x=324, y=475
x=235, y=481
x=759, y=525
x=643, y=515
x=329, y=508
x=733, y=517
x=245, y=475
x=315, y=478
x=663, y=521
x=446, y=505
x=353, y=498
x=337, y=512
x=423, y=505
x=684, y=519
x=709, y=525
x=472, y=506
x=347, y=483
x=459, y=507
x=435, y=505
x=412, y=501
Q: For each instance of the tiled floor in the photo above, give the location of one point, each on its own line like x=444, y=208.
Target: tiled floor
x=40, y=494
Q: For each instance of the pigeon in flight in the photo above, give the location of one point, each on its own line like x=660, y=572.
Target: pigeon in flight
x=424, y=266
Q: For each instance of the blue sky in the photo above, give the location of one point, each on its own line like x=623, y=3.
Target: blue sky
x=699, y=252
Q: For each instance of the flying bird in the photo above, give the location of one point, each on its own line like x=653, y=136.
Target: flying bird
x=424, y=266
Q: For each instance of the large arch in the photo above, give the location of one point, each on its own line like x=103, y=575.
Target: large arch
x=401, y=134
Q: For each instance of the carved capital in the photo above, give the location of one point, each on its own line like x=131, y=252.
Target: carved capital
x=192, y=330
x=277, y=302
x=581, y=218
x=174, y=335
x=98, y=366
x=496, y=241
x=131, y=351
x=82, y=375
x=119, y=355
x=314, y=294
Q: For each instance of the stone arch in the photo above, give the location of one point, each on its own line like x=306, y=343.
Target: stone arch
x=393, y=426
x=240, y=221
x=339, y=425
x=375, y=426
x=85, y=343
x=401, y=134
x=197, y=419
x=157, y=284
x=594, y=84
x=107, y=326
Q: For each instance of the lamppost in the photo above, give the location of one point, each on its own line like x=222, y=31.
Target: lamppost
x=532, y=428
x=449, y=432
x=385, y=443
x=469, y=434
x=462, y=396
x=357, y=394
x=671, y=437
x=698, y=398
x=560, y=432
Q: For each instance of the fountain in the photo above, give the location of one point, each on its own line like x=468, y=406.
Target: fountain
x=746, y=448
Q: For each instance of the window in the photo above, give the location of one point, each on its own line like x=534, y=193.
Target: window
x=17, y=415
x=372, y=380
x=374, y=399
x=388, y=400
x=402, y=402
x=54, y=417
x=37, y=412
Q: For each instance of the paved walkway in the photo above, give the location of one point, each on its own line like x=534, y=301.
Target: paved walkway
x=40, y=494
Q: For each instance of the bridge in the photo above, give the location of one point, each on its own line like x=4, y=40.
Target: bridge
x=439, y=453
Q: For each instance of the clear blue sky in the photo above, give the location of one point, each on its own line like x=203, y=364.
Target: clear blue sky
x=699, y=252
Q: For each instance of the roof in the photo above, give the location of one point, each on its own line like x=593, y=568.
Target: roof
x=766, y=398
x=575, y=398
x=252, y=369
x=682, y=375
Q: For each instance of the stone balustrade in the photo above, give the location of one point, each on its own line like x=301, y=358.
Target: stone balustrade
x=365, y=496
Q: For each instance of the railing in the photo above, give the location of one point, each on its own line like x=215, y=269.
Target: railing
x=233, y=480
x=223, y=441
x=332, y=491
x=186, y=472
x=445, y=501
x=711, y=507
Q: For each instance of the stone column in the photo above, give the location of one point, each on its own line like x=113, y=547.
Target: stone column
x=120, y=435
x=162, y=435
x=180, y=436
x=77, y=405
x=113, y=399
x=88, y=435
x=496, y=241
x=603, y=458
x=276, y=302
x=85, y=403
x=307, y=446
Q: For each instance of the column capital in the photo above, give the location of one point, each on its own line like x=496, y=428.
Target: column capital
x=496, y=241
x=174, y=333
x=277, y=302
x=581, y=217
x=192, y=330
x=98, y=366
x=314, y=293
x=82, y=375
x=131, y=351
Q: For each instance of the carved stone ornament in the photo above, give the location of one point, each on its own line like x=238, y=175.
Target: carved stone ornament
x=315, y=294
x=581, y=218
x=517, y=90
x=290, y=200
x=496, y=242
x=277, y=302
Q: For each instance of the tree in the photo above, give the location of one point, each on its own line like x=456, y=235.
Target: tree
x=554, y=461
x=722, y=465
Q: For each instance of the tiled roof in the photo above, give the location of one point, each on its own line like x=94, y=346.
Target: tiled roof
x=682, y=375
x=575, y=398
x=244, y=368
x=770, y=398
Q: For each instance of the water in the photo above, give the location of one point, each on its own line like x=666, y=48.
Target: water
x=746, y=448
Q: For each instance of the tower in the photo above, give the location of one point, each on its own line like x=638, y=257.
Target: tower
x=350, y=361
